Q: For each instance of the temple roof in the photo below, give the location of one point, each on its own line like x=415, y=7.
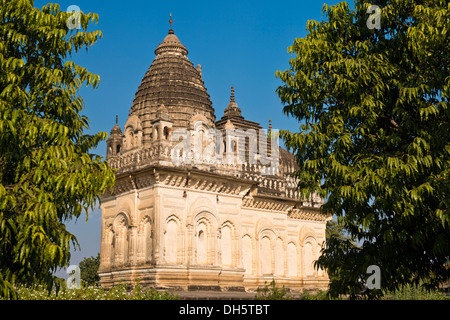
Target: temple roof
x=171, y=43
x=172, y=91
x=172, y=80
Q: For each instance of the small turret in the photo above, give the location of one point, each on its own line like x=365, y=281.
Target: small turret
x=115, y=141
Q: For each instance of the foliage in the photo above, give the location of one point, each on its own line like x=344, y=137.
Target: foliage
x=414, y=292
x=334, y=229
x=405, y=292
x=47, y=173
x=335, y=232
x=118, y=292
x=319, y=295
x=272, y=292
x=89, y=270
x=374, y=138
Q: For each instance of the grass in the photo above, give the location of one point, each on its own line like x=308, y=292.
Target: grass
x=408, y=292
x=268, y=292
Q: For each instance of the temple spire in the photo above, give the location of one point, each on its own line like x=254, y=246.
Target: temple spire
x=232, y=94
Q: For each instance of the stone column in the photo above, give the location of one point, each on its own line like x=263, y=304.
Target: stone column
x=157, y=245
x=189, y=242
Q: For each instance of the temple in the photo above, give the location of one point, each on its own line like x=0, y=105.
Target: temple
x=201, y=203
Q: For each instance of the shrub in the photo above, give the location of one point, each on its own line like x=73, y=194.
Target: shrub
x=272, y=292
x=118, y=292
x=414, y=292
x=319, y=295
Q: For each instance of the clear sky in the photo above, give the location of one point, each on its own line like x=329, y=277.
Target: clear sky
x=238, y=43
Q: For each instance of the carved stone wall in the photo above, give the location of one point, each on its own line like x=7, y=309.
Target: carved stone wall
x=196, y=229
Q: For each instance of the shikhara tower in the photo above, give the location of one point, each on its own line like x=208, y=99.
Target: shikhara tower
x=223, y=226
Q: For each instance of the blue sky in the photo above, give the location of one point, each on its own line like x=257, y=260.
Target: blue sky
x=238, y=43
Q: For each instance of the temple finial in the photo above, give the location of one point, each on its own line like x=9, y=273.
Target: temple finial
x=117, y=118
x=171, y=21
x=232, y=105
x=270, y=124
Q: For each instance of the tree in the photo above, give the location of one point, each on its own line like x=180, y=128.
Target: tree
x=47, y=173
x=373, y=106
x=89, y=270
x=335, y=229
x=335, y=234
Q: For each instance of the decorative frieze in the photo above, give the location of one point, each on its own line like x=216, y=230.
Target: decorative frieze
x=285, y=207
x=209, y=183
x=307, y=214
x=265, y=204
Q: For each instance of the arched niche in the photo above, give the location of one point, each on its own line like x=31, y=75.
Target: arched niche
x=309, y=256
x=229, y=244
x=144, y=250
x=121, y=239
x=205, y=237
x=171, y=240
x=247, y=254
x=266, y=240
x=292, y=260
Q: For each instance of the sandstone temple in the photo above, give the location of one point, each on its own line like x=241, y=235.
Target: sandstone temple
x=201, y=203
